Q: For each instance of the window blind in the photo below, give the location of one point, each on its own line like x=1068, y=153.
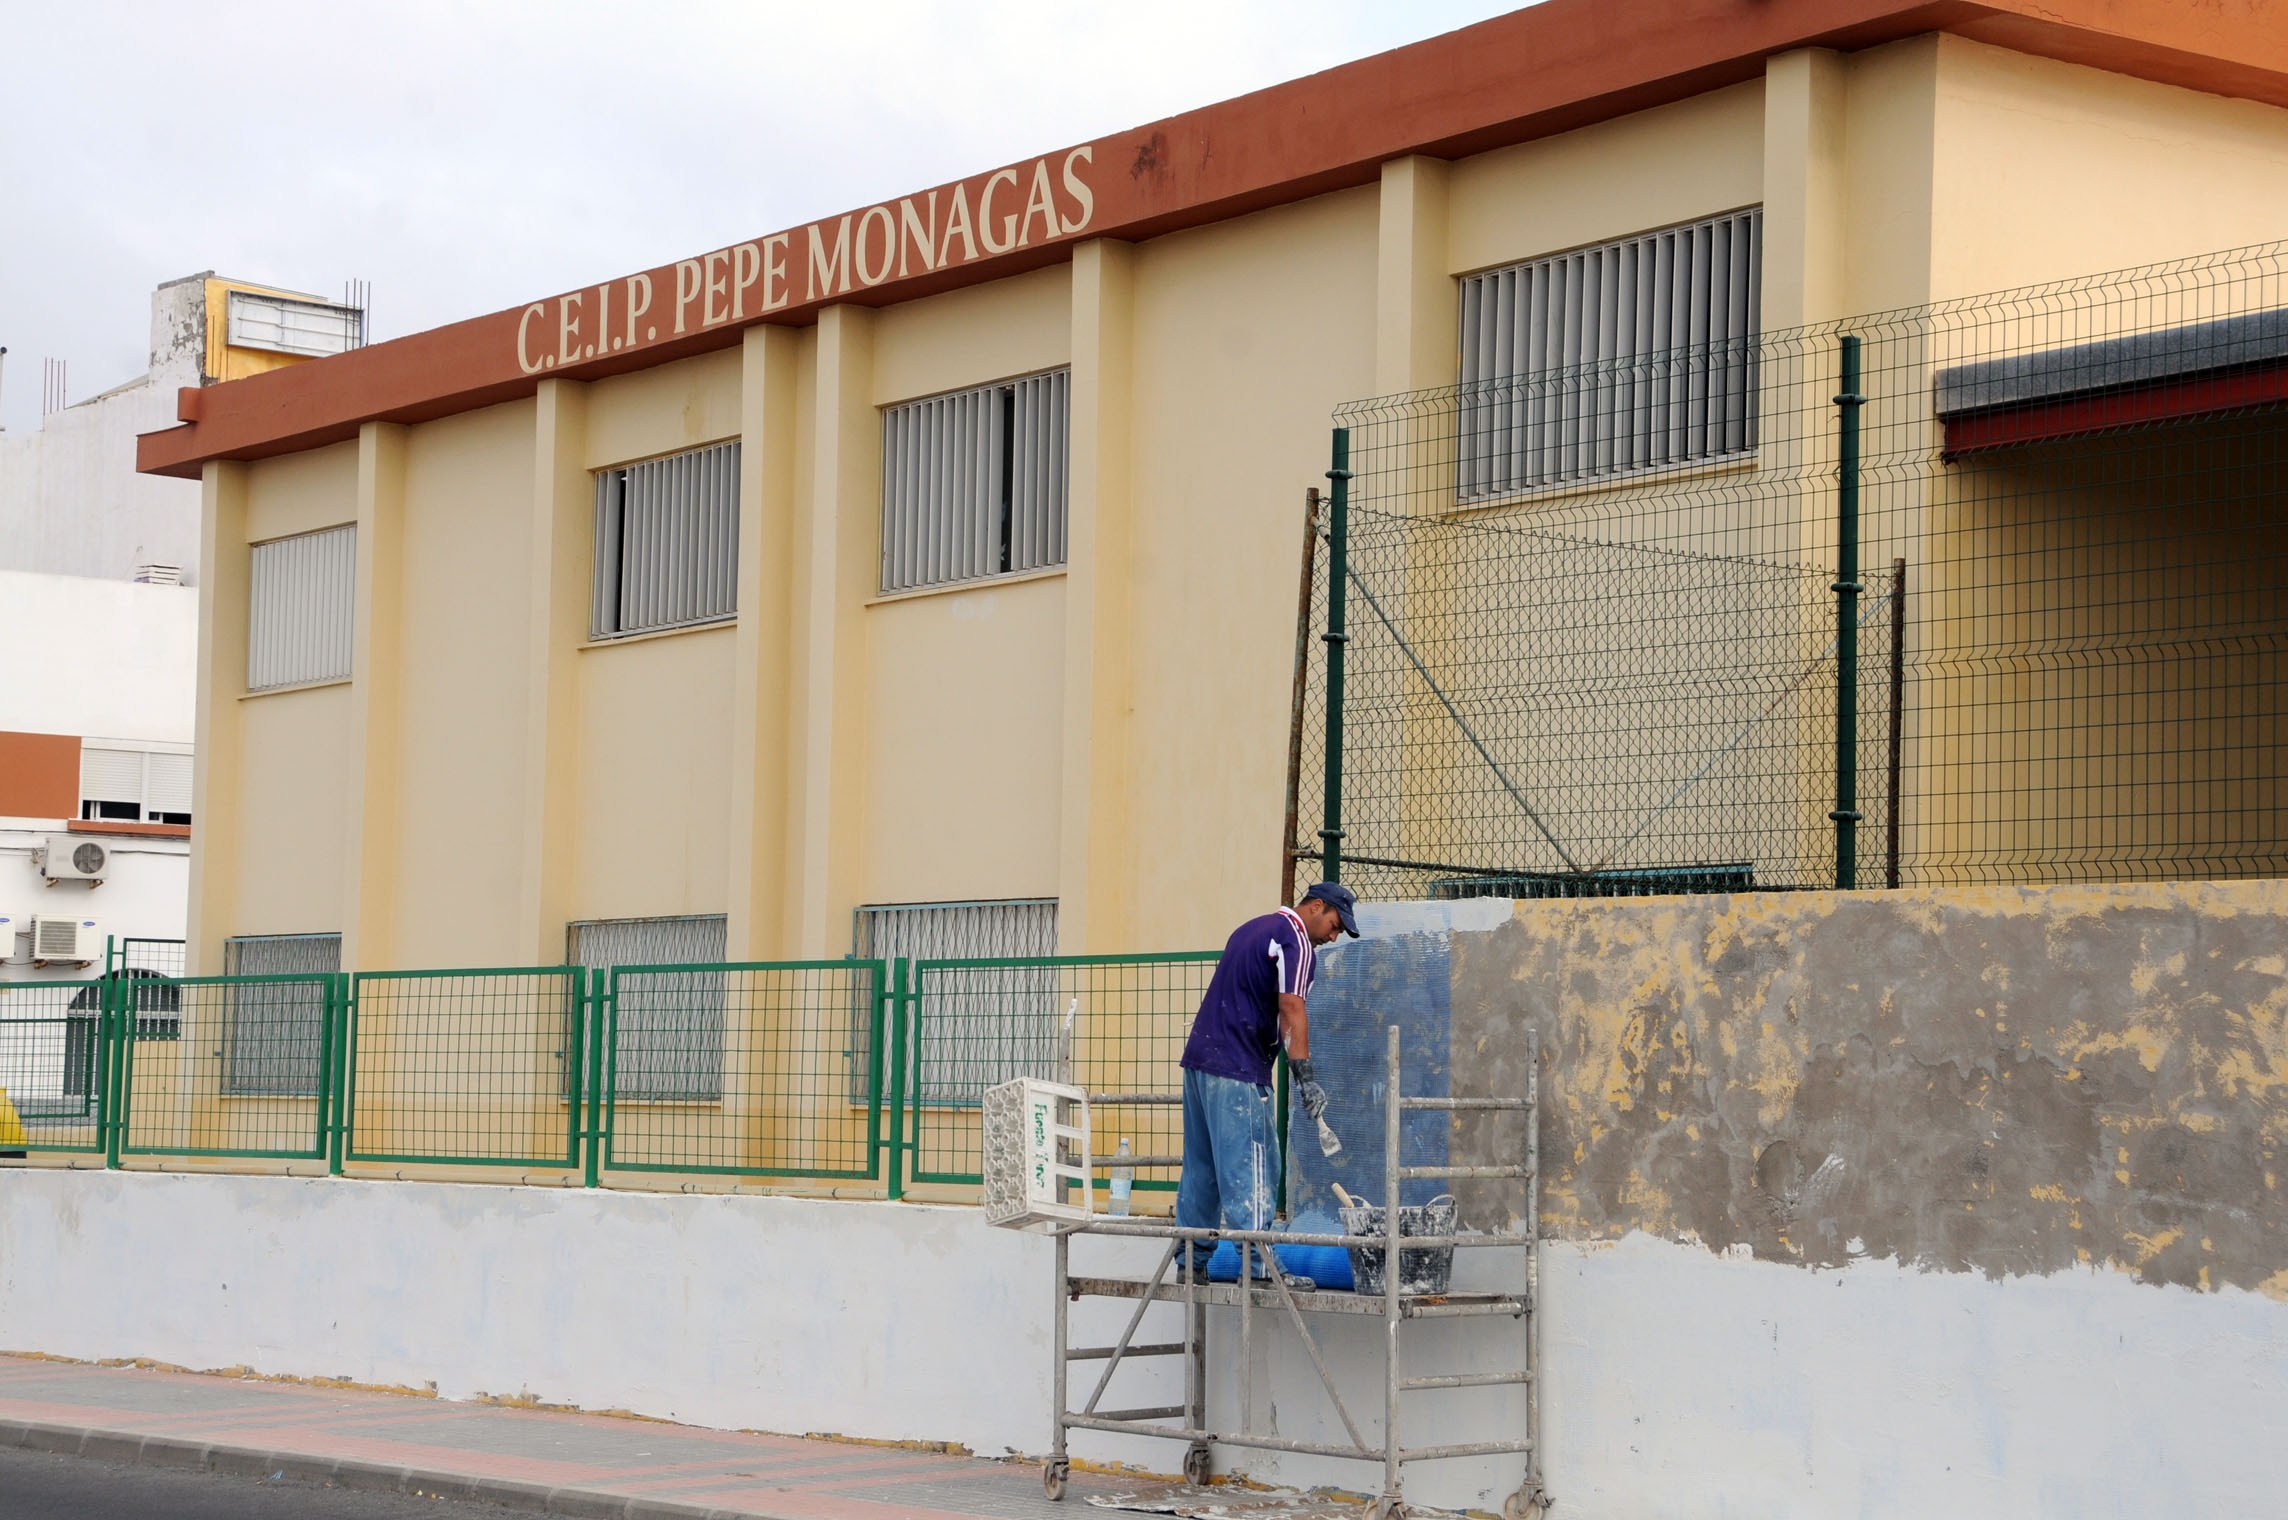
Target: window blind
x=298, y=620
x=667, y=543
x=1631, y=355
x=974, y=483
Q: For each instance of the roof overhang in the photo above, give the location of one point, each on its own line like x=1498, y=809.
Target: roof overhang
x=1558, y=66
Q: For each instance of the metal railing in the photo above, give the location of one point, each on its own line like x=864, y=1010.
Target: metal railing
x=970, y=1024
x=797, y=1072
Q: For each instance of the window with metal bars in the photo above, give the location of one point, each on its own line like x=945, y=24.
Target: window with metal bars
x=1633, y=355
x=974, y=482
x=298, y=612
x=998, y=1025
x=275, y=1037
x=667, y=543
x=667, y=1028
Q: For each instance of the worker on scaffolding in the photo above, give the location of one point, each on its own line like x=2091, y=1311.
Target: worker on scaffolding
x=1253, y=1008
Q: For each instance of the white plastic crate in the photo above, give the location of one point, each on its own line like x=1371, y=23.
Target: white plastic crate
x=1036, y=1149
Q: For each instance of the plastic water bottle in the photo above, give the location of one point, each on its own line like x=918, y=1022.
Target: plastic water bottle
x=1123, y=1178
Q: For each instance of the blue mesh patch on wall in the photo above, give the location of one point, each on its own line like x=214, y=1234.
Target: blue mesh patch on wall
x=1362, y=987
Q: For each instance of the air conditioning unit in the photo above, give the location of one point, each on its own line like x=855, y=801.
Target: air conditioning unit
x=11, y=925
x=74, y=857
x=65, y=937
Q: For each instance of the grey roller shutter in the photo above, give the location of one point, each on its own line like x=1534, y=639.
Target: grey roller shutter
x=667, y=543
x=996, y=1024
x=1635, y=354
x=975, y=482
x=299, y=612
x=667, y=1026
x=273, y=1041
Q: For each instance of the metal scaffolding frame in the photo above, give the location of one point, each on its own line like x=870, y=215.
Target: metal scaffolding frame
x=1173, y=1283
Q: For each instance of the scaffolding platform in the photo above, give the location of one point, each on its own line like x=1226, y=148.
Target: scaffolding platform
x=1276, y=1295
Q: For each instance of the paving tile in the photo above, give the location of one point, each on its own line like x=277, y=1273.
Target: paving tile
x=591, y=1461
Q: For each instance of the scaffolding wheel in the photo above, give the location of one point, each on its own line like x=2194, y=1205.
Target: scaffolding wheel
x=1525, y=1504
x=1196, y=1464
x=1053, y=1475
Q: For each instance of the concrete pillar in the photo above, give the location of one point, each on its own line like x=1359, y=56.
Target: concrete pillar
x=557, y=573
x=1414, y=290
x=1093, y=851
x=1805, y=191
x=834, y=533
x=758, y=923
x=370, y=863
x=226, y=568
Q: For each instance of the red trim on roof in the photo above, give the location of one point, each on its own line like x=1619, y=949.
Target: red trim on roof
x=1558, y=66
x=2173, y=401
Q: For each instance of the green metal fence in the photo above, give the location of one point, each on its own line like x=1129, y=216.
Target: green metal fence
x=241, y=1066
x=1994, y=590
x=471, y=1068
x=55, y=1067
x=865, y=1071
x=969, y=1024
x=760, y=1069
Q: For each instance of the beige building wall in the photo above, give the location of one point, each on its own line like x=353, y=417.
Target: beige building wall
x=1113, y=734
x=1248, y=334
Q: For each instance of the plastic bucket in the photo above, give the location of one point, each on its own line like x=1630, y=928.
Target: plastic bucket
x=1422, y=1270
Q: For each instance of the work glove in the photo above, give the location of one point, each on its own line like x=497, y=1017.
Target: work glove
x=1308, y=1093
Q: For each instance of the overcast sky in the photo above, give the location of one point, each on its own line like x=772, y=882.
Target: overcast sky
x=467, y=157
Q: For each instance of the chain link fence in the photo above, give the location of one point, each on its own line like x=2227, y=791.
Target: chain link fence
x=1994, y=590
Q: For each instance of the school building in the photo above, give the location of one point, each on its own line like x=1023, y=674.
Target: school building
x=922, y=579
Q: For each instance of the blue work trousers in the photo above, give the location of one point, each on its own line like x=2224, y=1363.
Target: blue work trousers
x=1231, y=1158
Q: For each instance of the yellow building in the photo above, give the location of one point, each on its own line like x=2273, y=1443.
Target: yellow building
x=944, y=552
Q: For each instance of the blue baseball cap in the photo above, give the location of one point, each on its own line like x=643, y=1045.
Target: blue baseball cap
x=1340, y=898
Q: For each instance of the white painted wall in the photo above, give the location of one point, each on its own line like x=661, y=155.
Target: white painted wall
x=1678, y=1383
x=70, y=500
x=103, y=659
x=146, y=896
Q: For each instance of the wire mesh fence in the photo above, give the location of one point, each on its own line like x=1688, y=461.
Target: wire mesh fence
x=148, y=957
x=974, y=1023
x=184, y=1069
x=473, y=1067
x=1617, y=628
x=768, y=1070
x=53, y=1067
x=849, y=1070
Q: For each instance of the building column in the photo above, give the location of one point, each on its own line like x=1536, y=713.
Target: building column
x=1804, y=189
x=563, y=521
x=226, y=568
x=758, y=924
x=1414, y=316
x=370, y=863
x=1093, y=857
x=834, y=533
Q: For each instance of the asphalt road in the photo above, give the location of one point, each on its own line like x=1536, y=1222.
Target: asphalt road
x=37, y=1485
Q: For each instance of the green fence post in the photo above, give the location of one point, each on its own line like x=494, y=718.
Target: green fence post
x=598, y=1006
x=898, y=972
x=329, y=1058
x=1338, y=571
x=110, y=1081
x=877, y=1031
x=1846, y=811
x=345, y=1071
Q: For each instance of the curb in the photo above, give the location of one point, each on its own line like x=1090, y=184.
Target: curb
x=113, y=1445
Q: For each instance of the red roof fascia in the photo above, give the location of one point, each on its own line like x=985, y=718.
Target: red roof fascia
x=1552, y=68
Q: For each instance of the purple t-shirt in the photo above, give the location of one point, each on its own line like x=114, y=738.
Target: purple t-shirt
x=1236, y=1032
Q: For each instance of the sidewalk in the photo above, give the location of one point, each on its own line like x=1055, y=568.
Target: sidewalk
x=527, y=1459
